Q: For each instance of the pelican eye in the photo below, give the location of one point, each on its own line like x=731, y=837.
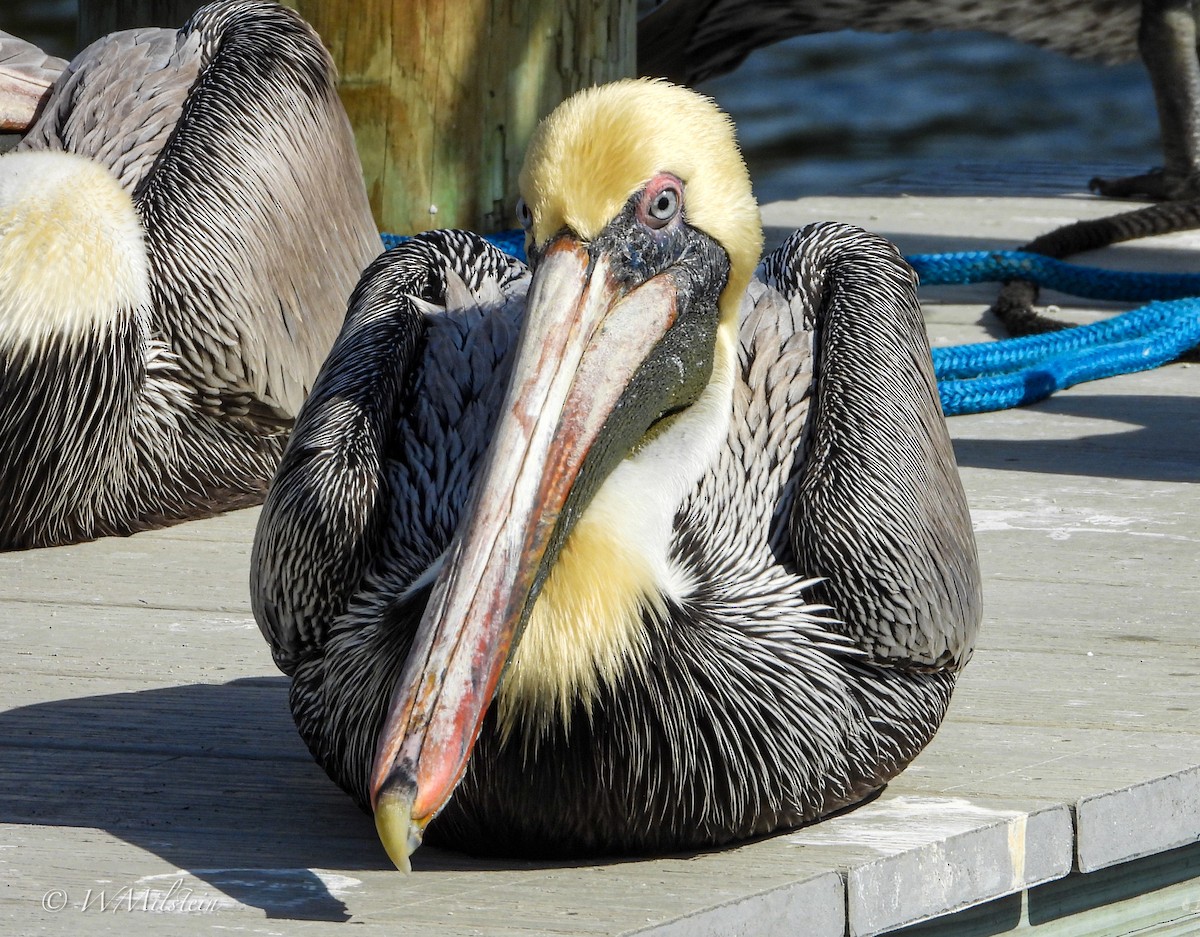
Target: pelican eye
x=663, y=207
x=524, y=215
x=662, y=201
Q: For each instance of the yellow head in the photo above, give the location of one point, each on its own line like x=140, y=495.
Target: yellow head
x=604, y=144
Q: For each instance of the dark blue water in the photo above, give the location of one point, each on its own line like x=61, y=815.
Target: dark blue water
x=822, y=114
x=49, y=24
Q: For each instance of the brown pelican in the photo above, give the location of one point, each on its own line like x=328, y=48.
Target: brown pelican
x=179, y=232
x=690, y=40
x=638, y=553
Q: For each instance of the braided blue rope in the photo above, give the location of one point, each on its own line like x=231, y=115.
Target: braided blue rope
x=1159, y=333
x=987, y=359
x=1013, y=372
x=1076, y=280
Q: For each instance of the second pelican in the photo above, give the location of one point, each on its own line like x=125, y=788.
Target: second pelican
x=179, y=232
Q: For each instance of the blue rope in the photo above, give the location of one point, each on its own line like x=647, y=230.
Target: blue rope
x=1013, y=372
x=1158, y=334
x=1017, y=371
x=511, y=242
x=1076, y=280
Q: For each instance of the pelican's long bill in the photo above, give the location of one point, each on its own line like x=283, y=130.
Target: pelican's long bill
x=584, y=340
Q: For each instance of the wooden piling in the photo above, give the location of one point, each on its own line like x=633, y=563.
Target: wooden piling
x=443, y=94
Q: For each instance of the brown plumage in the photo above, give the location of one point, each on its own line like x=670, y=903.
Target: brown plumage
x=542, y=554
x=179, y=231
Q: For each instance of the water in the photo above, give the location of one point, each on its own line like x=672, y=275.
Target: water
x=49, y=24
x=823, y=114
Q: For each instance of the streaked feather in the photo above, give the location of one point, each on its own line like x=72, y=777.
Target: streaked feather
x=756, y=707
x=230, y=140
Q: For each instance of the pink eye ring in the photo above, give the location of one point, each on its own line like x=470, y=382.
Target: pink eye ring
x=662, y=202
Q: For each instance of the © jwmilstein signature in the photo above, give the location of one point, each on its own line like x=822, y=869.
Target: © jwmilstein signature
x=175, y=900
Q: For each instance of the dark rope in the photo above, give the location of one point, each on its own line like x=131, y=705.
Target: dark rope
x=1014, y=305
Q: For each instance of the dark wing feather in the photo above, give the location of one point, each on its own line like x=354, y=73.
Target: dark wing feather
x=379, y=464
x=739, y=504
x=878, y=509
x=690, y=40
x=281, y=227
x=118, y=101
x=838, y=485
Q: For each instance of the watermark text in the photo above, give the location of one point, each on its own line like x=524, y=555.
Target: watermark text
x=177, y=899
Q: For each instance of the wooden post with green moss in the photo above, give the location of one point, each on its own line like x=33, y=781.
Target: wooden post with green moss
x=443, y=94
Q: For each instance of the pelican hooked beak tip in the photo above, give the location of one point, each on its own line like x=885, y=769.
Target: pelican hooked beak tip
x=399, y=831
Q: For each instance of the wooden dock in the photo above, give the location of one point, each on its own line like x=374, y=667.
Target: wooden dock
x=151, y=779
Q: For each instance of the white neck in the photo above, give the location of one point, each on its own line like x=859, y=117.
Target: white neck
x=586, y=628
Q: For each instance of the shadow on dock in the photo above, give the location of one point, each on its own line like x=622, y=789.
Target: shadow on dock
x=1159, y=447
x=212, y=778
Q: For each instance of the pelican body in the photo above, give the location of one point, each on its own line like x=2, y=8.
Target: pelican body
x=634, y=551
x=690, y=40
x=180, y=229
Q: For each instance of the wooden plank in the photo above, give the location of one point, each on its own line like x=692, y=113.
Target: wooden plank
x=138, y=571
x=1141, y=820
x=921, y=857
x=1158, y=896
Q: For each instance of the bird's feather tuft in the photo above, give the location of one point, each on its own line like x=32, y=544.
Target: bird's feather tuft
x=72, y=249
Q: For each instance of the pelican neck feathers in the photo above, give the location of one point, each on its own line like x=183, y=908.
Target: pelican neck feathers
x=587, y=632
